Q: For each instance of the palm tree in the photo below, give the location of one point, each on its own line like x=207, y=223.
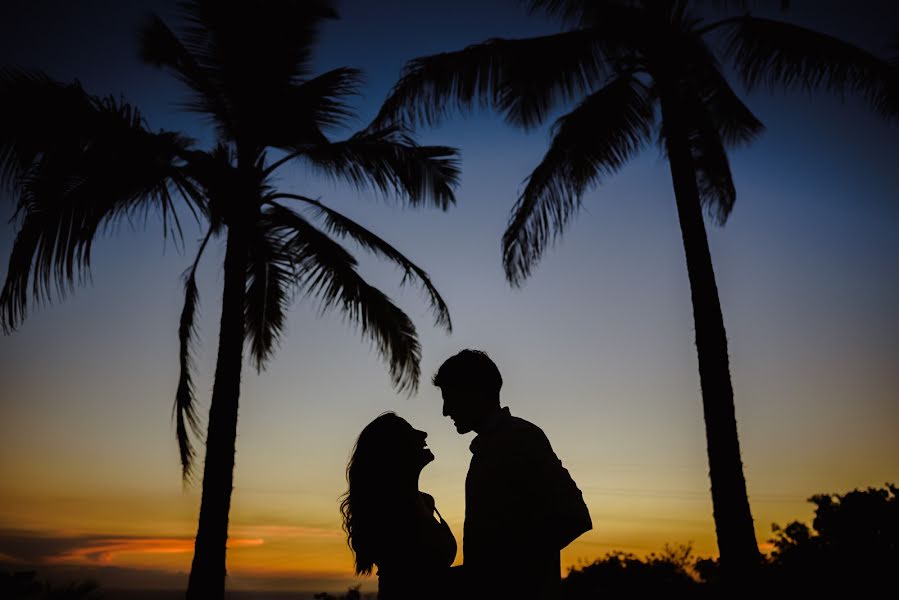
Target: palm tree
x=635, y=68
x=80, y=163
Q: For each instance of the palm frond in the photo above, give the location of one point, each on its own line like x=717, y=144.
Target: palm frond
x=514, y=76
x=184, y=411
x=245, y=55
x=776, y=54
x=272, y=38
x=270, y=277
x=733, y=120
x=73, y=180
x=585, y=13
x=745, y=4
x=161, y=48
x=390, y=161
x=327, y=272
x=344, y=227
x=39, y=114
x=322, y=97
x=714, y=182
x=573, y=11
x=300, y=112
x=595, y=139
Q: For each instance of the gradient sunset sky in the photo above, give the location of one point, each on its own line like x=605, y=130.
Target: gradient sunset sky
x=596, y=348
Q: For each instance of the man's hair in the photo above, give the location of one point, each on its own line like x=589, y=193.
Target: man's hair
x=470, y=369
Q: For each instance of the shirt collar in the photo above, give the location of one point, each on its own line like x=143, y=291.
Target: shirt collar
x=492, y=423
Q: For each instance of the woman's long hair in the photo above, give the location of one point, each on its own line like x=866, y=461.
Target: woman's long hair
x=372, y=506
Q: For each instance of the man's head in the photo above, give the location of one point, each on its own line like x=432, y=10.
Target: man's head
x=470, y=384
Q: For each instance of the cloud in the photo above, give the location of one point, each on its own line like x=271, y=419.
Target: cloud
x=287, y=531
x=7, y=559
x=62, y=557
x=34, y=547
x=42, y=548
x=104, y=550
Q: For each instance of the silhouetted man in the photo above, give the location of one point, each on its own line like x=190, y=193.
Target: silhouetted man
x=521, y=505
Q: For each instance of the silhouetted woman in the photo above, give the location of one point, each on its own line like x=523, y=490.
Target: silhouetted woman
x=388, y=521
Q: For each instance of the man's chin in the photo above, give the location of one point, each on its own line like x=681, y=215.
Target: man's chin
x=462, y=428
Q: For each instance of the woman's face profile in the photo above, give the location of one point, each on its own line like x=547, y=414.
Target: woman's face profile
x=411, y=444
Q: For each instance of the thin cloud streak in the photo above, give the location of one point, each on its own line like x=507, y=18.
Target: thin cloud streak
x=67, y=556
x=106, y=550
x=287, y=531
x=62, y=549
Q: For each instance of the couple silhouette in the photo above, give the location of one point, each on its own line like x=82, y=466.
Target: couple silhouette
x=521, y=505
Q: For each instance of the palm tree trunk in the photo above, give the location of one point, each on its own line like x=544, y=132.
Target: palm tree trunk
x=737, y=543
x=207, y=573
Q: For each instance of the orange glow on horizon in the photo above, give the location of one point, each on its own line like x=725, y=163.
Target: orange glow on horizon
x=766, y=547
x=287, y=531
x=104, y=551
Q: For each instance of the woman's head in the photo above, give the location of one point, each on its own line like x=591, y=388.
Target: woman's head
x=389, y=444
x=383, y=469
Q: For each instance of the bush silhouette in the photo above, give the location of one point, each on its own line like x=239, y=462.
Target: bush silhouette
x=624, y=574
x=24, y=585
x=853, y=542
x=351, y=594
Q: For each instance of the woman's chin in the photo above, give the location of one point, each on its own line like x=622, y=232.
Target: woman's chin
x=426, y=456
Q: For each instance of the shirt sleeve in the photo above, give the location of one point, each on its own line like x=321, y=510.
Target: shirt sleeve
x=557, y=510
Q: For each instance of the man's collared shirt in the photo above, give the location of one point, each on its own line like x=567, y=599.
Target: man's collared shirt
x=521, y=508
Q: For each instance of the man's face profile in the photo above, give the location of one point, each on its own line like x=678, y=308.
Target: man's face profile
x=460, y=406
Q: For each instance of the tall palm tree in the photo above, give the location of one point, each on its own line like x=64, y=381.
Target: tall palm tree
x=634, y=70
x=79, y=163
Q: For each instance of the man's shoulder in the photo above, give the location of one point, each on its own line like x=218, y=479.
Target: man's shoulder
x=518, y=430
x=514, y=423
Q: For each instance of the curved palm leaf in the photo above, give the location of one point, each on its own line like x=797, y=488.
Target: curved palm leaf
x=734, y=121
x=571, y=11
x=327, y=272
x=39, y=113
x=512, y=75
x=75, y=180
x=746, y=4
x=337, y=224
x=274, y=39
x=184, y=411
x=623, y=29
x=714, y=182
x=772, y=53
x=390, y=161
x=235, y=60
x=595, y=139
x=297, y=116
x=161, y=48
x=271, y=273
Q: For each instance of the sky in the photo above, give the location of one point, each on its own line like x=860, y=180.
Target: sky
x=596, y=348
